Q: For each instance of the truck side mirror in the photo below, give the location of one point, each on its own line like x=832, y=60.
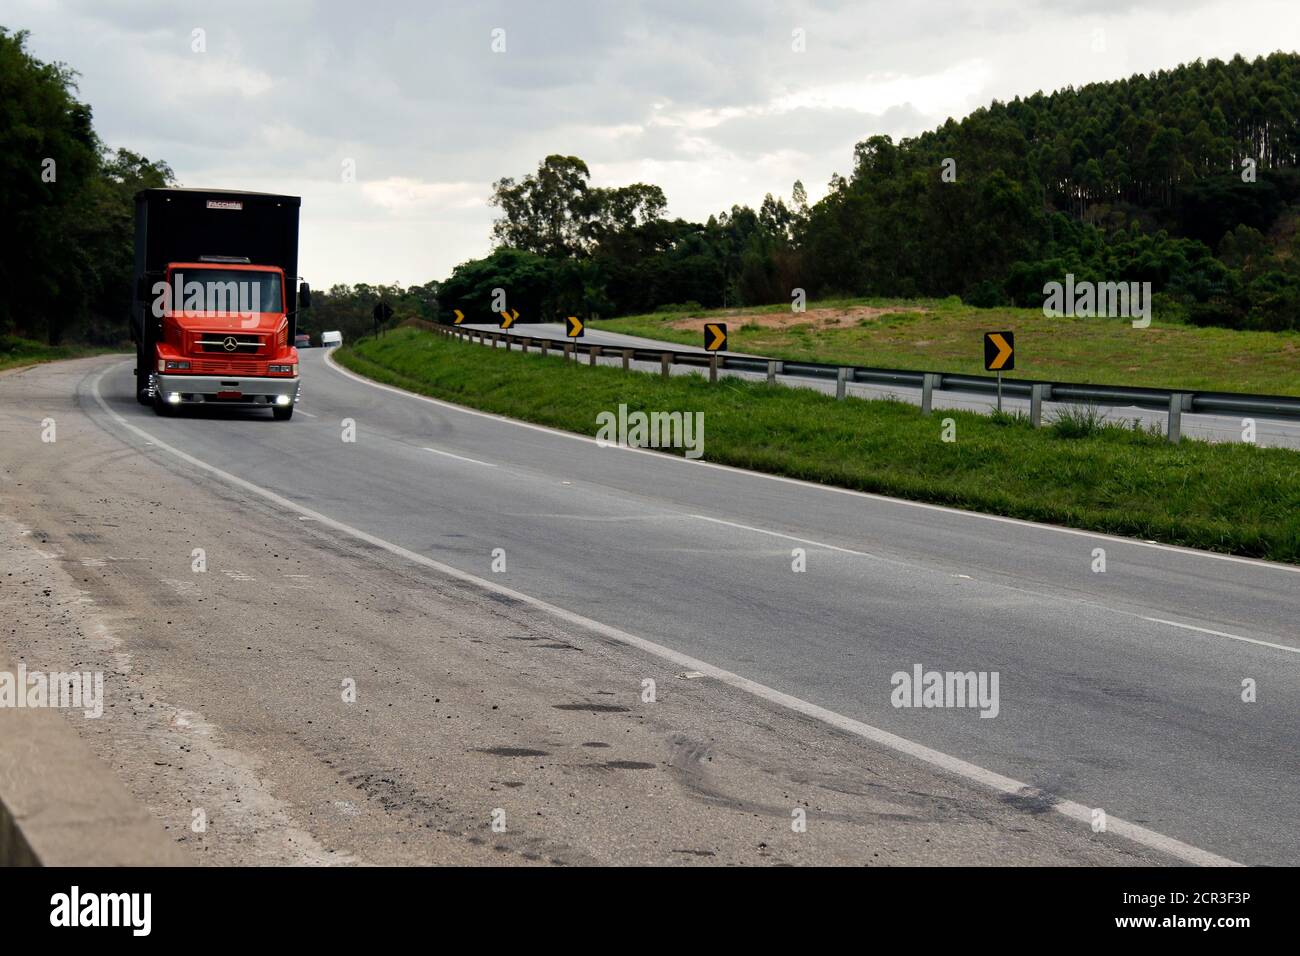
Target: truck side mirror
x=304, y=296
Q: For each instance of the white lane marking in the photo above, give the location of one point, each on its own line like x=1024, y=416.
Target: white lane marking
x=902, y=502
x=472, y=461
x=809, y=541
x=1234, y=637
x=595, y=518
x=1021, y=590
x=308, y=414
x=997, y=782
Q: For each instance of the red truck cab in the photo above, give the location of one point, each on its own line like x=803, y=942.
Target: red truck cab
x=225, y=337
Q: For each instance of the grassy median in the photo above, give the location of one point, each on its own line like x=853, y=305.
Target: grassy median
x=1234, y=498
x=947, y=336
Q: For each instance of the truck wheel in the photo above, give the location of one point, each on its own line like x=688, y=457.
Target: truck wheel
x=282, y=414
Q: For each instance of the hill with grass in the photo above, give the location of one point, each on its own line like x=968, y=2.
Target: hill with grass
x=1184, y=178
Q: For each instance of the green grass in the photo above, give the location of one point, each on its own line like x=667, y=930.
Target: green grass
x=16, y=352
x=948, y=337
x=1233, y=498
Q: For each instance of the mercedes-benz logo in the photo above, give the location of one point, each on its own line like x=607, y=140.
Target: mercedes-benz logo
x=230, y=343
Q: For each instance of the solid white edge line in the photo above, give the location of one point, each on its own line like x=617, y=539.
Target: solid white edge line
x=953, y=765
x=1234, y=637
x=472, y=461
x=698, y=462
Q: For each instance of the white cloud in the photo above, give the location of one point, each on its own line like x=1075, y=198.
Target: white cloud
x=943, y=93
x=403, y=196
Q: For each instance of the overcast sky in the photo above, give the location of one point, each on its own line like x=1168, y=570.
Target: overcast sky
x=711, y=100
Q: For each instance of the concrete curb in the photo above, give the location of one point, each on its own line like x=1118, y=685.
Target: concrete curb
x=61, y=806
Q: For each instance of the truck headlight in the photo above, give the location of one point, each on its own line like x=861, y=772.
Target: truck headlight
x=282, y=369
x=169, y=364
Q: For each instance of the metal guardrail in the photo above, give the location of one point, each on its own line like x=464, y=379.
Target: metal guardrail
x=1163, y=399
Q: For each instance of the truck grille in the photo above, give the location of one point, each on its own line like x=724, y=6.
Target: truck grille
x=226, y=367
x=228, y=343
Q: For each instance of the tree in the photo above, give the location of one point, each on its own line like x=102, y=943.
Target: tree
x=47, y=160
x=68, y=205
x=528, y=280
x=545, y=213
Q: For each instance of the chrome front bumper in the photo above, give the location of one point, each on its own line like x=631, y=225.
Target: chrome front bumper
x=252, y=390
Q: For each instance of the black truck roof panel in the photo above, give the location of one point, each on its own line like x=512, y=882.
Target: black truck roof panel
x=216, y=193
x=186, y=225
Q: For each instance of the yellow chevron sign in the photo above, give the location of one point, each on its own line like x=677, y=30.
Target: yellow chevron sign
x=999, y=351
x=576, y=327
x=715, y=336
x=509, y=318
x=460, y=316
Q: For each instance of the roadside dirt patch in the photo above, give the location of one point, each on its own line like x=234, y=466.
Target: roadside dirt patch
x=829, y=318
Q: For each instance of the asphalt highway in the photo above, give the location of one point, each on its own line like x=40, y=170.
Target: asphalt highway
x=1119, y=691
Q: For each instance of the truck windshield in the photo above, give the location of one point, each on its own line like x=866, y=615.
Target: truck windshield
x=226, y=291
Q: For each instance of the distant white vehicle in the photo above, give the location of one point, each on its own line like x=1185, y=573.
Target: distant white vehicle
x=331, y=338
